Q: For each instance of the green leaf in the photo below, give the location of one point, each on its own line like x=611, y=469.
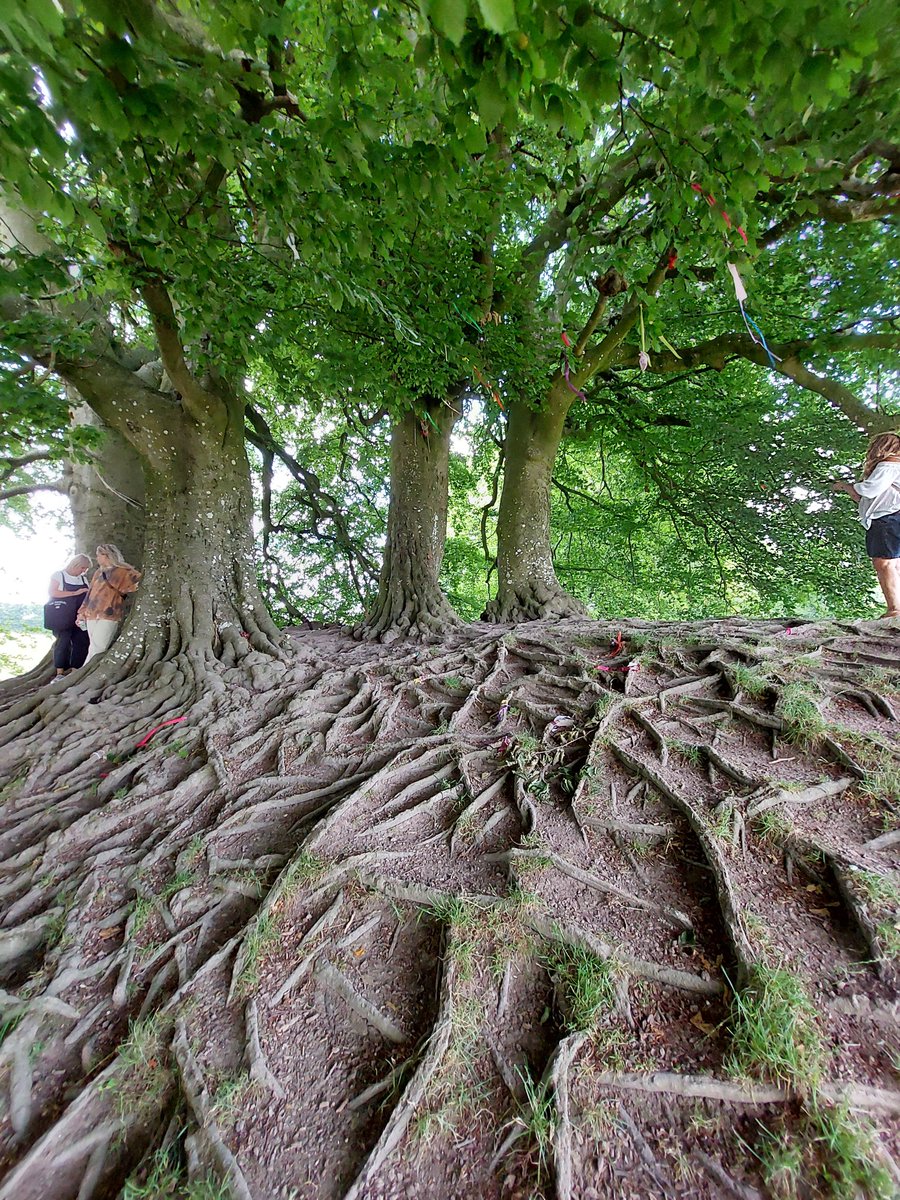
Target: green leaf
x=492, y=100
x=449, y=18
x=498, y=15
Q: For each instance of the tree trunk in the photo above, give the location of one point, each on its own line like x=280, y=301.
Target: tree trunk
x=199, y=593
x=107, y=494
x=200, y=580
x=410, y=600
x=528, y=589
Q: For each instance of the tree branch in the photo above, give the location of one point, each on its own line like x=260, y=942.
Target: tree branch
x=198, y=402
x=593, y=198
x=9, y=466
x=30, y=488
x=324, y=506
x=721, y=350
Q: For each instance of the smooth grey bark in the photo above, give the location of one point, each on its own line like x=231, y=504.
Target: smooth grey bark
x=527, y=587
x=107, y=494
x=410, y=600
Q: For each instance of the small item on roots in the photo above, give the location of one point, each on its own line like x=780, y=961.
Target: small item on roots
x=146, y=738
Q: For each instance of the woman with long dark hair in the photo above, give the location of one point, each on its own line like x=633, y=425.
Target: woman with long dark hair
x=878, y=496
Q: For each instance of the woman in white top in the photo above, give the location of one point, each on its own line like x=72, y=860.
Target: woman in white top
x=70, y=586
x=878, y=494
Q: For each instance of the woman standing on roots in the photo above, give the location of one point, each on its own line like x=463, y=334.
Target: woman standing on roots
x=67, y=589
x=104, y=604
x=878, y=493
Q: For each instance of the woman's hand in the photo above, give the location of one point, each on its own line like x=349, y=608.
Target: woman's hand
x=841, y=485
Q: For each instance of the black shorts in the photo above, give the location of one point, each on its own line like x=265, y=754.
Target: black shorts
x=883, y=537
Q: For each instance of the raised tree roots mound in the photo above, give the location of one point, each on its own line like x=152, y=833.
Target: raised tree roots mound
x=530, y=913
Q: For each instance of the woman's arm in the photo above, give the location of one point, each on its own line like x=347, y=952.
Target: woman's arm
x=58, y=593
x=879, y=481
x=841, y=485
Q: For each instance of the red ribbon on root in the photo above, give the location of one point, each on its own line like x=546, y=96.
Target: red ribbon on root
x=146, y=738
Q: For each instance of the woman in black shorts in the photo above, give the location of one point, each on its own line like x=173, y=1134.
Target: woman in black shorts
x=878, y=494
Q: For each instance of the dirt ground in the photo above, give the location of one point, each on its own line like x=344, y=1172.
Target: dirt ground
x=578, y=909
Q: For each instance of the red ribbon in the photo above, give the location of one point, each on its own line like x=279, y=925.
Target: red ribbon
x=144, y=740
x=711, y=201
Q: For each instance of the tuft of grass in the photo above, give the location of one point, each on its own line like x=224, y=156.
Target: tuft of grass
x=889, y=937
x=773, y=826
x=229, y=1097
x=686, y=750
x=586, y=986
x=723, y=819
x=145, y=1066
x=195, y=848
x=752, y=680
x=209, y=1188
x=179, y=881
x=519, y=897
x=882, y=784
x=774, y=1031
x=850, y=1165
x=538, y=1119
x=143, y=910
x=882, y=679
x=880, y=889
x=261, y=935
x=641, y=846
x=141, y=1050
x=798, y=708
x=465, y=920
x=305, y=868
x=162, y=1176
x=832, y=1148
x=781, y=1160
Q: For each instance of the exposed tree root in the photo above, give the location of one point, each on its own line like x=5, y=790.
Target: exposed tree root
x=352, y=875
x=879, y=1100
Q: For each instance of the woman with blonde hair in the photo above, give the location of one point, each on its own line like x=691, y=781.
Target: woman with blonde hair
x=104, y=605
x=67, y=589
x=878, y=495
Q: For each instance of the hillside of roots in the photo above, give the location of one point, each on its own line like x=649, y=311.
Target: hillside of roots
x=575, y=910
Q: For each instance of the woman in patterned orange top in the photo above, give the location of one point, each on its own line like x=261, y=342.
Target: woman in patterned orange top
x=104, y=604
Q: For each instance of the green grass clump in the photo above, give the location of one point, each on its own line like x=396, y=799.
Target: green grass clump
x=162, y=1176
x=586, y=985
x=883, y=783
x=686, y=750
x=798, y=708
x=305, y=868
x=830, y=1147
x=262, y=933
x=774, y=1032
x=849, y=1164
x=538, y=1120
x=881, y=889
x=773, y=826
x=752, y=680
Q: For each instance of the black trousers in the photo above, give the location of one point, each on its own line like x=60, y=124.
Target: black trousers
x=70, y=648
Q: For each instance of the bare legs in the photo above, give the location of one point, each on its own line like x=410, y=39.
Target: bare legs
x=888, y=572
